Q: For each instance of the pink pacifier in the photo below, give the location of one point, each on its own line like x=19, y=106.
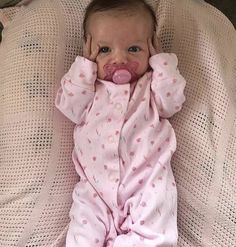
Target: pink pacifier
x=121, y=76
x=121, y=73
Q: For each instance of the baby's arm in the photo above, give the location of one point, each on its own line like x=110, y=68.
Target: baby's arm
x=77, y=86
x=77, y=89
x=167, y=83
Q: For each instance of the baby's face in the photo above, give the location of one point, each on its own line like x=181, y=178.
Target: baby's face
x=121, y=40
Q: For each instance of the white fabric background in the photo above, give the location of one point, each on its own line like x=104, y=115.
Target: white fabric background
x=40, y=41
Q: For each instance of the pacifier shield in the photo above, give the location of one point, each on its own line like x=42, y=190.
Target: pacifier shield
x=121, y=73
x=121, y=76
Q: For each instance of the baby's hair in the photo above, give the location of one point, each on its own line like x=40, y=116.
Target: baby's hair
x=127, y=6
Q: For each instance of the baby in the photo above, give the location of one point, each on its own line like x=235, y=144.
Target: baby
x=119, y=95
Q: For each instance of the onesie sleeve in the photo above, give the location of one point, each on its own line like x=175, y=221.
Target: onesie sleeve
x=167, y=84
x=77, y=89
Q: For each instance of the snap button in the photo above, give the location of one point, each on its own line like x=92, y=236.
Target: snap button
x=111, y=139
x=118, y=106
x=113, y=177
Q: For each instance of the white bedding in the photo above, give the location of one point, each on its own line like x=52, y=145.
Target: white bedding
x=40, y=41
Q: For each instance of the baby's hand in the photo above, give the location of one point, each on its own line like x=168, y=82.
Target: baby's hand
x=87, y=49
x=154, y=45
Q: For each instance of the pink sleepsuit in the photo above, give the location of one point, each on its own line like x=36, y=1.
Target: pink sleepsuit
x=126, y=196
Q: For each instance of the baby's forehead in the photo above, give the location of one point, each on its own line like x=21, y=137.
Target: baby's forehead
x=116, y=26
x=142, y=14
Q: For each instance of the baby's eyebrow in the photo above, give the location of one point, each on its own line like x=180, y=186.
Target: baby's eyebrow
x=101, y=42
x=139, y=42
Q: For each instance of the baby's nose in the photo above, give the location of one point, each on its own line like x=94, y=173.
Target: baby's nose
x=120, y=58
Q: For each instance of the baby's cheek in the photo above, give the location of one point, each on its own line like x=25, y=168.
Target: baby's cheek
x=143, y=67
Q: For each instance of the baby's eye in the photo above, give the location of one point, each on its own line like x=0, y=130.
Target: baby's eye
x=134, y=49
x=104, y=49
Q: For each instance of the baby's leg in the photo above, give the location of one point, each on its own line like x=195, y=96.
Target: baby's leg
x=152, y=212
x=91, y=223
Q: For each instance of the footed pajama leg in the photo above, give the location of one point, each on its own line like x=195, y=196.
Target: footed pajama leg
x=152, y=212
x=91, y=223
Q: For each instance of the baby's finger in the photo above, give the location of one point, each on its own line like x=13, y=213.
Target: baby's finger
x=87, y=47
x=157, y=43
x=94, y=53
x=151, y=47
x=84, y=49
